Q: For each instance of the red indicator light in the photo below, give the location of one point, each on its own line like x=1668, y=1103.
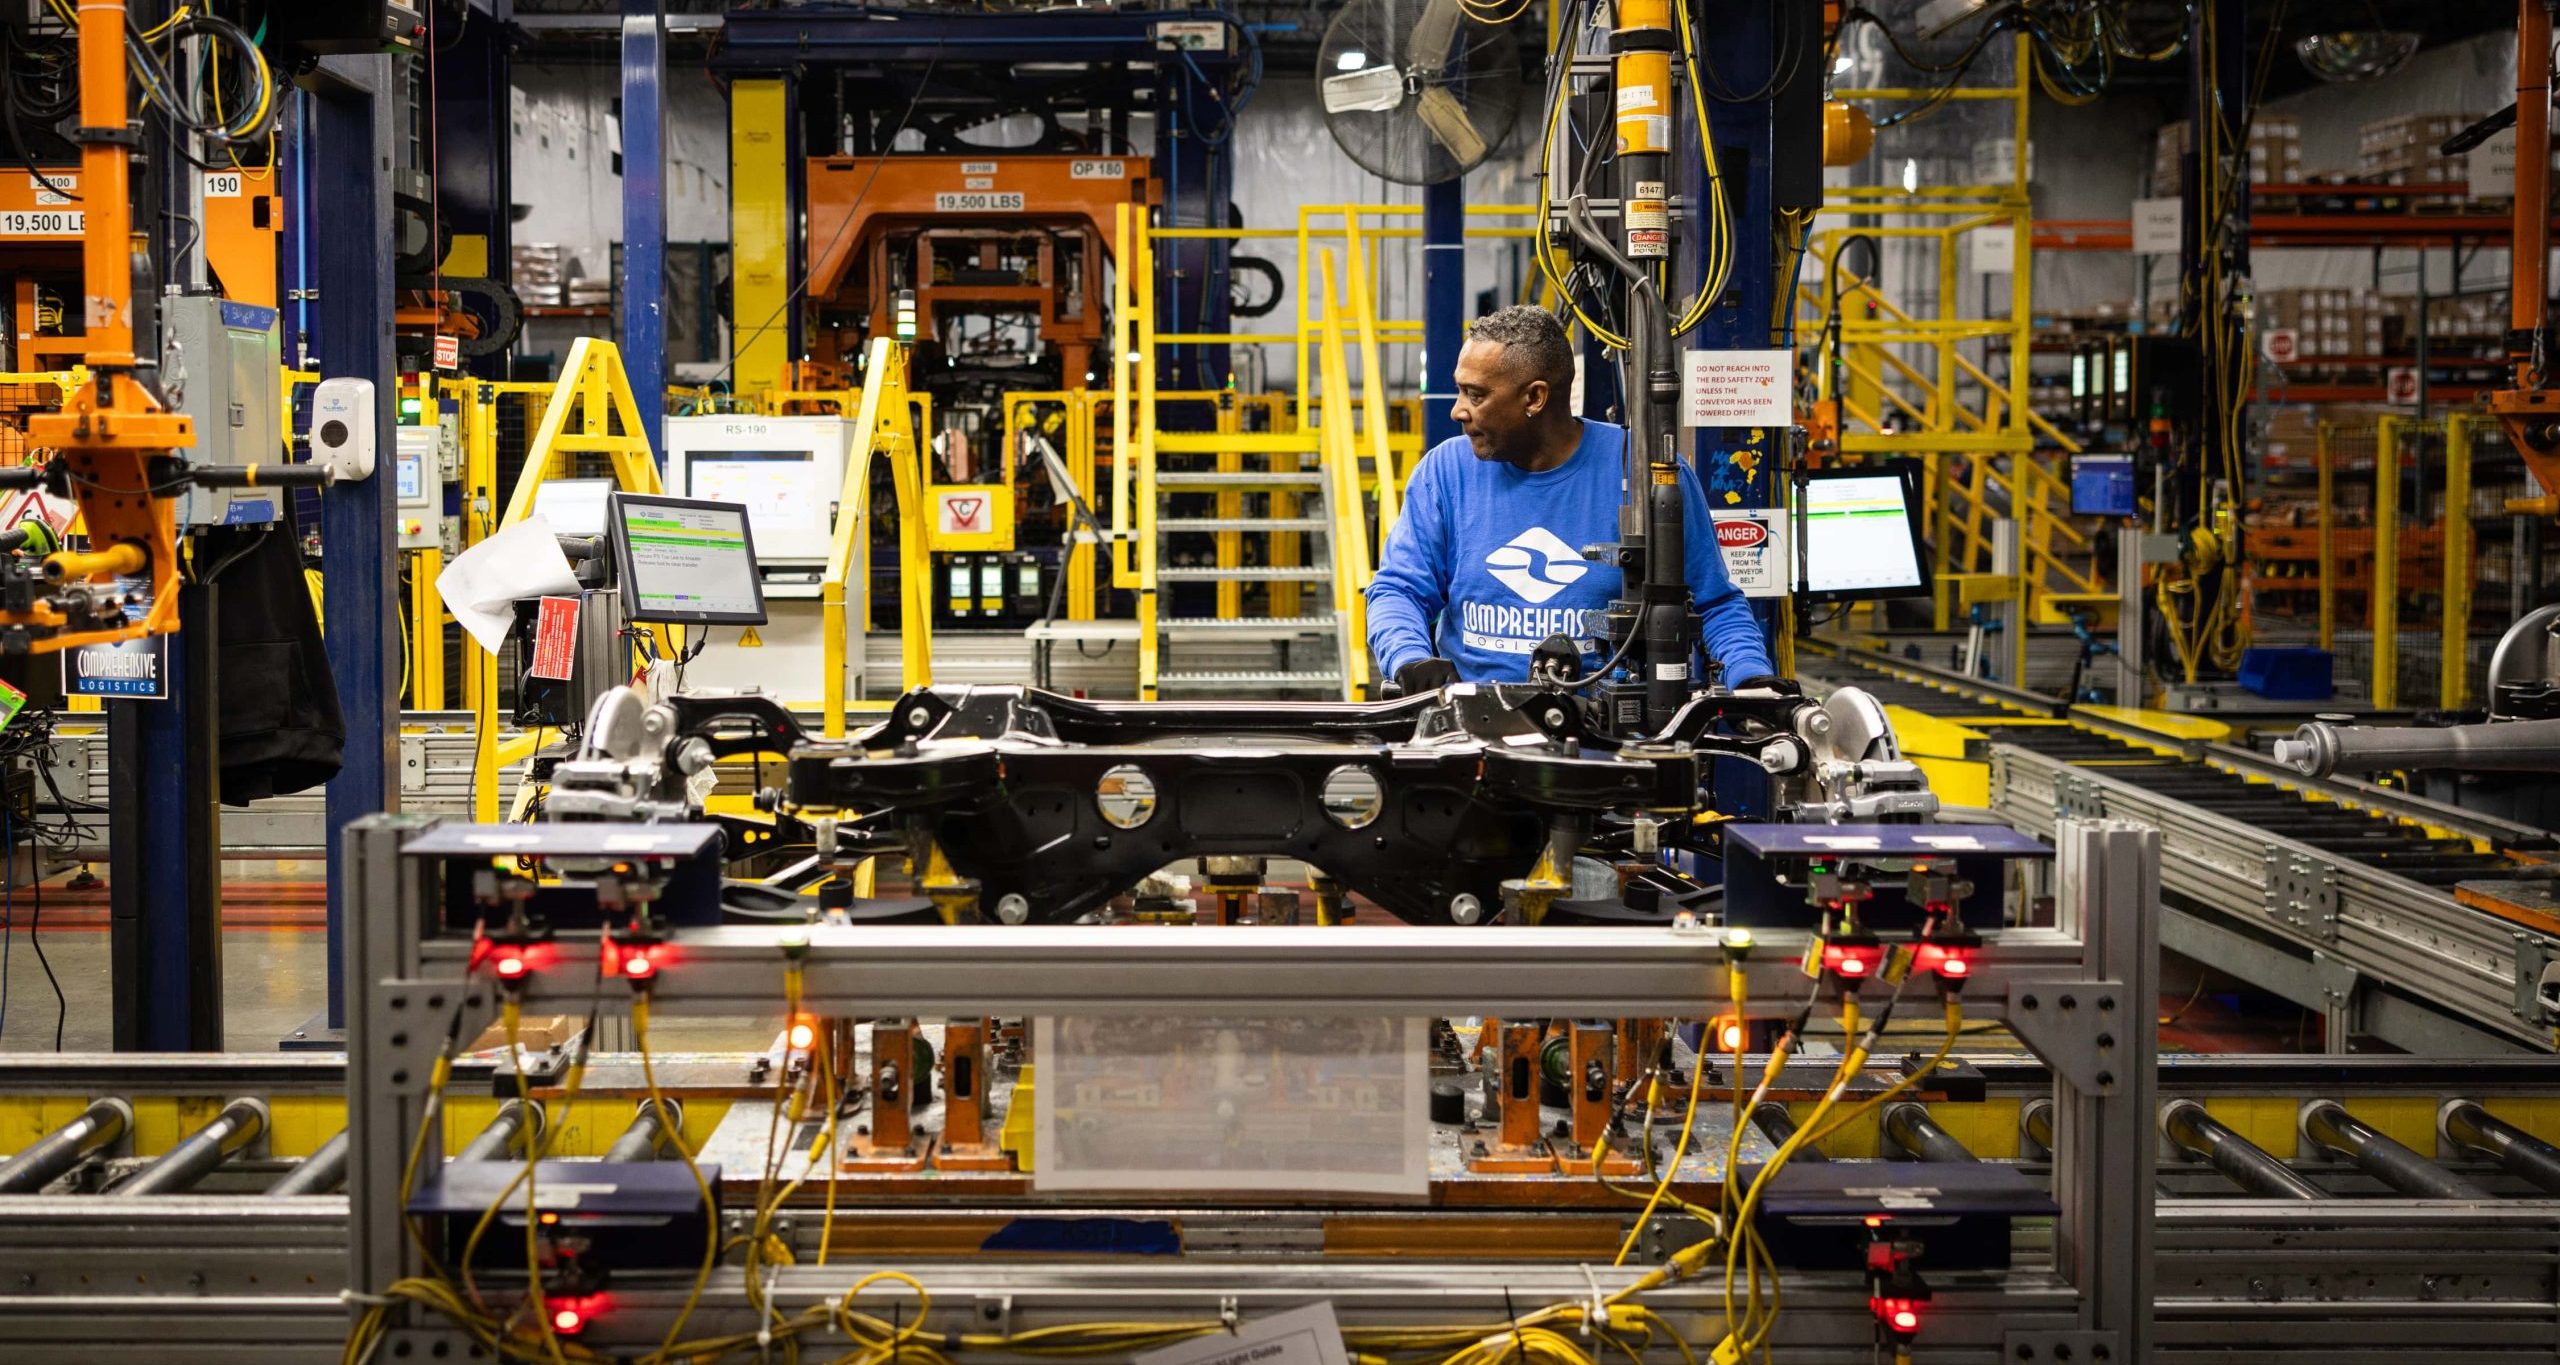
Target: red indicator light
x=510, y=967
x=566, y=1318
x=1731, y=1037
x=638, y=966
x=802, y=1035
x=1955, y=966
x=1853, y=966
x=1904, y=1320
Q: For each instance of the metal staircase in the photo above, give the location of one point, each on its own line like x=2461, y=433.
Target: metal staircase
x=1256, y=551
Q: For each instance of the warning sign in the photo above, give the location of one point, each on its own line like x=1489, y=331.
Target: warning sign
x=555, y=639
x=1737, y=388
x=1754, y=541
x=2282, y=345
x=2400, y=386
x=448, y=354
x=962, y=514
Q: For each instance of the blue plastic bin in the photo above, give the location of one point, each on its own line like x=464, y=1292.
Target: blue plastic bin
x=2293, y=674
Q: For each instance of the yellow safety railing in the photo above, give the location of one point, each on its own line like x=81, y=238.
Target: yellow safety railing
x=590, y=411
x=1374, y=438
x=1904, y=381
x=1024, y=413
x=1353, y=568
x=883, y=429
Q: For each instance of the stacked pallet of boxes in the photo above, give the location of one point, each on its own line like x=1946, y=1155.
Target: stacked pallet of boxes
x=2275, y=153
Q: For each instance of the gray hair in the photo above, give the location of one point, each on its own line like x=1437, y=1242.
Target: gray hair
x=1531, y=338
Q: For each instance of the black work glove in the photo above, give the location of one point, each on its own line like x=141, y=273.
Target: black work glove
x=1426, y=675
x=1770, y=682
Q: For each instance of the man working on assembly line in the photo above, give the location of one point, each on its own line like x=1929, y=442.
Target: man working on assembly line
x=1486, y=561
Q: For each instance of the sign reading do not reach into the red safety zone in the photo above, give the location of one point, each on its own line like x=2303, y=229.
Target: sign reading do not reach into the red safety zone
x=1737, y=388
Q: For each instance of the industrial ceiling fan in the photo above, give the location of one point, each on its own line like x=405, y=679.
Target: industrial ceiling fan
x=1417, y=91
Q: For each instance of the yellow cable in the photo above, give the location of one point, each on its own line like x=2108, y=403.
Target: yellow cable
x=675, y=1132
x=1679, y=1152
x=513, y=1012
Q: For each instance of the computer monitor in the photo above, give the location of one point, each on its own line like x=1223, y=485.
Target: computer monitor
x=686, y=561
x=2102, y=486
x=787, y=471
x=1858, y=533
x=574, y=507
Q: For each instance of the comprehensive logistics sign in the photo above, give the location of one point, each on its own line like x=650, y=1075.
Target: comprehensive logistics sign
x=131, y=670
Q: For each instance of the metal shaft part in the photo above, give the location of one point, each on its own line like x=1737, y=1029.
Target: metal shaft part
x=2325, y=1123
x=44, y=1161
x=646, y=1138
x=2246, y=1164
x=2473, y=1128
x=177, y=1171
x=498, y=1141
x=1778, y=1125
x=2036, y=1121
x=322, y=1172
x=2319, y=749
x=1911, y=1129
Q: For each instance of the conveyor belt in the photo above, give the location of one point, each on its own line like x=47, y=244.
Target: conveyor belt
x=2381, y=842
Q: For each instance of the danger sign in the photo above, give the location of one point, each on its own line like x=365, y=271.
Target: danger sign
x=555, y=639
x=2400, y=386
x=963, y=514
x=1754, y=542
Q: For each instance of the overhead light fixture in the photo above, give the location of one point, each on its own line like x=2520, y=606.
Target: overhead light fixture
x=1910, y=176
x=2346, y=55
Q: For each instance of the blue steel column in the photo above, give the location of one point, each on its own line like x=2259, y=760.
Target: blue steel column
x=644, y=210
x=1444, y=304
x=350, y=128
x=1740, y=466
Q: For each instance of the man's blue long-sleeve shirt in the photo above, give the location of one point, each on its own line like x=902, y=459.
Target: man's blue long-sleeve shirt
x=1486, y=562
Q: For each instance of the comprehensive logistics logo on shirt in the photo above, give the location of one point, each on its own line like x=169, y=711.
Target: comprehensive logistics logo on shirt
x=1536, y=564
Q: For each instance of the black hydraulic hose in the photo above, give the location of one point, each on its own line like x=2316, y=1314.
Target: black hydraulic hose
x=2468, y=1126
x=203, y=1150
x=49, y=1156
x=322, y=1172
x=499, y=1140
x=2326, y=1123
x=1911, y=1129
x=2189, y=1128
x=646, y=1138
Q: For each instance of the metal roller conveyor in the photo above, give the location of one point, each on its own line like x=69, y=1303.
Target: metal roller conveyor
x=1912, y=1130
x=240, y=1123
x=2328, y=1124
x=501, y=1138
x=1778, y=1125
x=2035, y=1125
x=2189, y=1128
x=322, y=1172
x=98, y=1126
x=2468, y=1126
x=650, y=1133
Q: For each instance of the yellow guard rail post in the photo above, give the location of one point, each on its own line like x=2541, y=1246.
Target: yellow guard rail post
x=591, y=398
x=883, y=428
x=1339, y=458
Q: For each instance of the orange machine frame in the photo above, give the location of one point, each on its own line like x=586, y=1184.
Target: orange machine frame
x=857, y=205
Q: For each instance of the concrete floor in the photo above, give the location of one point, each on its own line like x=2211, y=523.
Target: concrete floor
x=274, y=970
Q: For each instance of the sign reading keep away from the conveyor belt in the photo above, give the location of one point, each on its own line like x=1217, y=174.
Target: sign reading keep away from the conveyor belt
x=131, y=670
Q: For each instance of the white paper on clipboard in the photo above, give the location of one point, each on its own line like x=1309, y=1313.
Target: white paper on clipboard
x=1313, y=1106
